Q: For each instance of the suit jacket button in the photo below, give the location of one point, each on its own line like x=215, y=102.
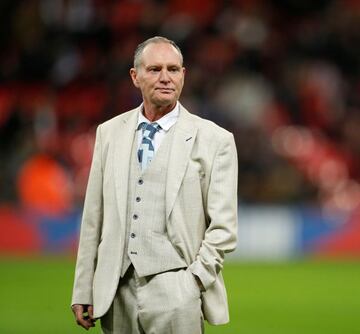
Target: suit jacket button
x=133, y=235
x=135, y=216
x=140, y=181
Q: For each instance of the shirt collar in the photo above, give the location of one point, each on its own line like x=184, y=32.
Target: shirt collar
x=167, y=121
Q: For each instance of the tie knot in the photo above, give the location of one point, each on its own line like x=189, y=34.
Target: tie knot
x=149, y=129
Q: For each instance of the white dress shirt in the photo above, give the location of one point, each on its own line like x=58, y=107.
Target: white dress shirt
x=166, y=122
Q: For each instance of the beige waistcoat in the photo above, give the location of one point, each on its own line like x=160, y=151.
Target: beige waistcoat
x=147, y=245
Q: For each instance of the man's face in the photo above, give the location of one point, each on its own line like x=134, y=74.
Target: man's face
x=160, y=75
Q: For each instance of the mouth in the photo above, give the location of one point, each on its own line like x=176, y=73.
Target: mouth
x=165, y=90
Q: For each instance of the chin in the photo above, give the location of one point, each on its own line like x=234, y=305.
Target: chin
x=166, y=103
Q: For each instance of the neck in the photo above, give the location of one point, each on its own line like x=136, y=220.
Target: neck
x=153, y=113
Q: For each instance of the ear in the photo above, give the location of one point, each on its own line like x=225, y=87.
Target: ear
x=134, y=79
x=183, y=74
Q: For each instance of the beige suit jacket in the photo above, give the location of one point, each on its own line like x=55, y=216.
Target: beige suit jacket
x=201, y=209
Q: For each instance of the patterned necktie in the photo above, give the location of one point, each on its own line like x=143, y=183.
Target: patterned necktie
x=146, y=150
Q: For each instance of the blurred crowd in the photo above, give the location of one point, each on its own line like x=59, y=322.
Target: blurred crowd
x=282, y=75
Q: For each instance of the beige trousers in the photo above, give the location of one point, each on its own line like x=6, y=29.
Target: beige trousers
x=166, y=303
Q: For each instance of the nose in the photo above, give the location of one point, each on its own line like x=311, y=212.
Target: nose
x=164, y=76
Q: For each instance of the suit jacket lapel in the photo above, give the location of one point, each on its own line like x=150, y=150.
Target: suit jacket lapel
x=122, y=155
x=184, y=138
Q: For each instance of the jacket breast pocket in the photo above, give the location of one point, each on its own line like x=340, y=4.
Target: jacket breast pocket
x=191, y=192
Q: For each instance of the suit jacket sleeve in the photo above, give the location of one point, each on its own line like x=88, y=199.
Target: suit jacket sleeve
x=90, y=229
x=221, y=210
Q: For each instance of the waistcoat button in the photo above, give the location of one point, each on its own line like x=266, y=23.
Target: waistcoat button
x=133, y=235
x=135, y=216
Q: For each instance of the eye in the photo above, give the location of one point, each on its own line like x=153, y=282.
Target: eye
x=174, y=69
x=154, y=69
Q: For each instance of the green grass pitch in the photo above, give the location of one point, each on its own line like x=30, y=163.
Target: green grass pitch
x=303, y=297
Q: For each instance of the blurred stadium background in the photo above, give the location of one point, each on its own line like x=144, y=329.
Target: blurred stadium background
x=282, y=75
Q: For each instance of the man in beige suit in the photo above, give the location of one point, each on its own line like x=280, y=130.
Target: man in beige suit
x=160, y=211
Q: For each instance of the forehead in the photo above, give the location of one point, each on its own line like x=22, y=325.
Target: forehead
x=160, y=53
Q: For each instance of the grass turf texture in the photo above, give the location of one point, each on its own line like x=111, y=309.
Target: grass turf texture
x=275, y=298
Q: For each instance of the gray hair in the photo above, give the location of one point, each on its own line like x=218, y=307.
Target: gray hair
x=157, y=39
